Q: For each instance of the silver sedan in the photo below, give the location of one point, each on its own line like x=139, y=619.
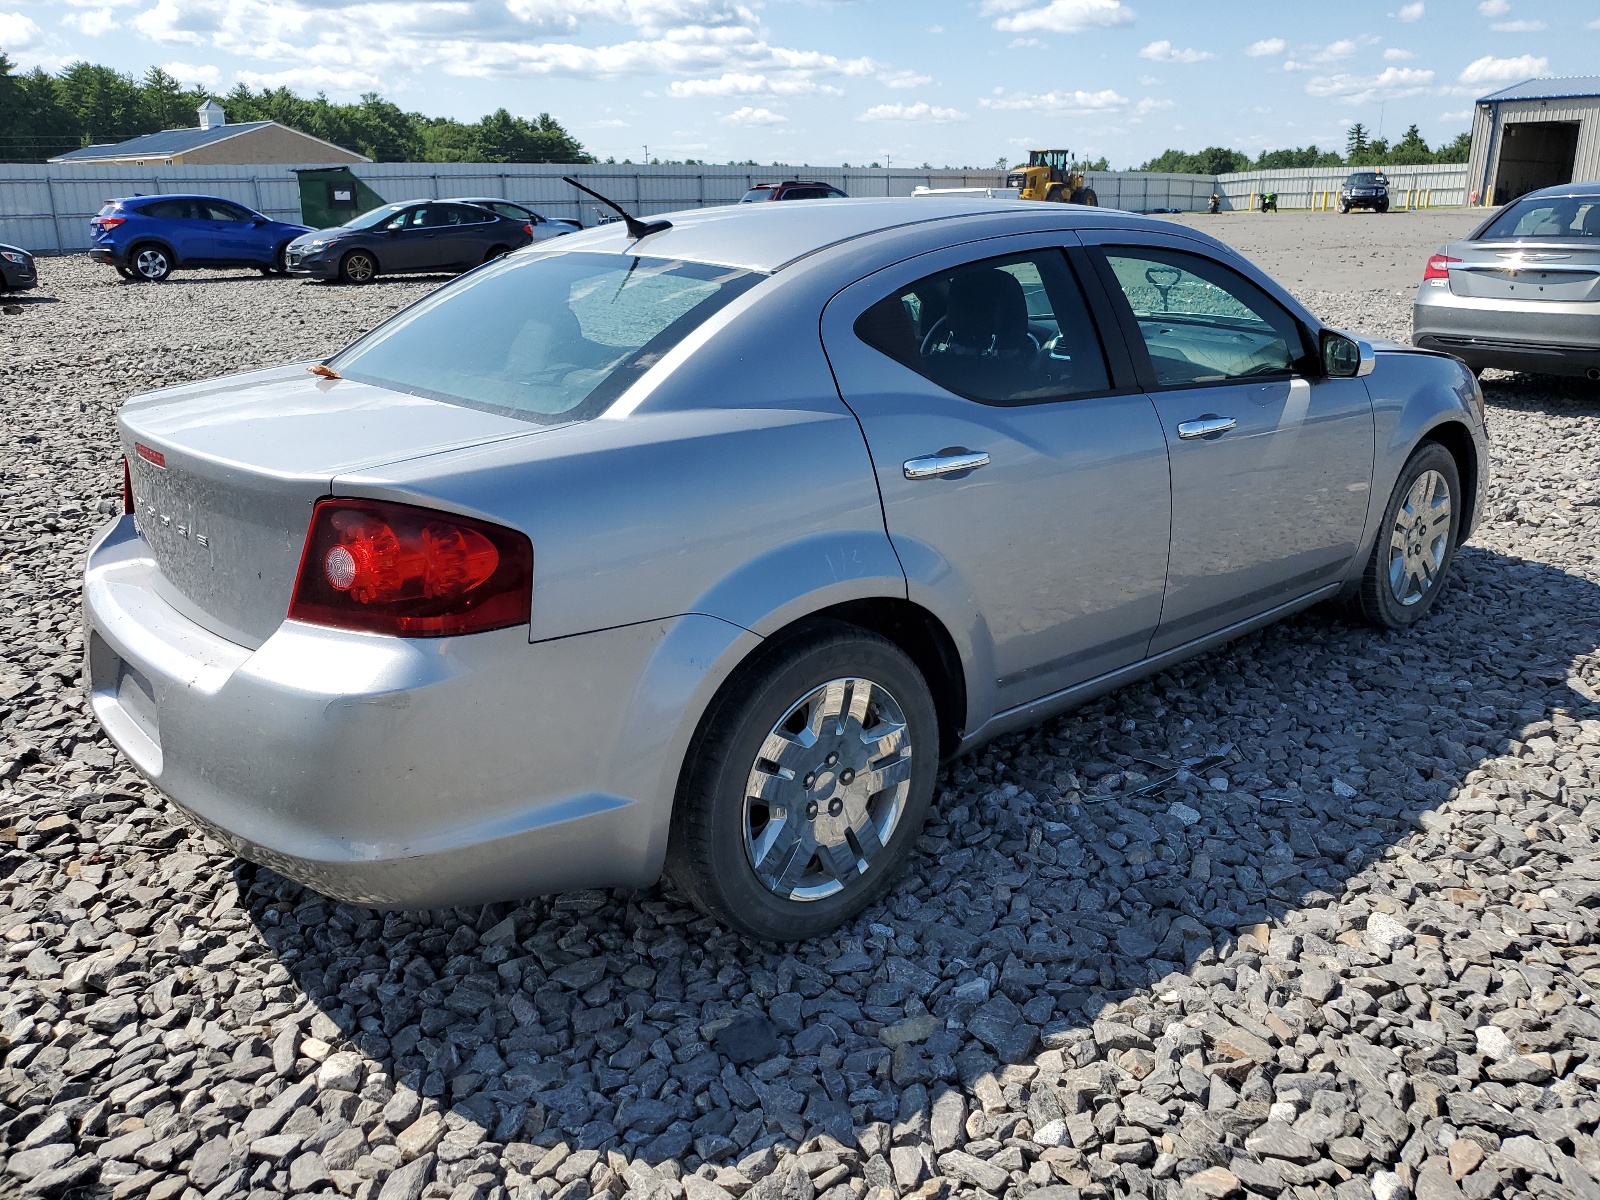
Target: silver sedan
x=1521, y=291
x=701, y=549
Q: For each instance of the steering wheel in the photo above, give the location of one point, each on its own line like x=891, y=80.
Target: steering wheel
x=942, y=323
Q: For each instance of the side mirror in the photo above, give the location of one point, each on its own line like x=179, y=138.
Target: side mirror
x=1345, y=357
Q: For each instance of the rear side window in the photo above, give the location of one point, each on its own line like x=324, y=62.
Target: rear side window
x=1558, y=217
x=512, y=212
x=552, y=338
x=755, y=194
x=1012, y=330
x=171, y=210
x=1201, y=321
x=807, y=193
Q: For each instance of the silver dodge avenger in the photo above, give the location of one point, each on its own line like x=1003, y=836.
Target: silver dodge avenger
x=699, y=544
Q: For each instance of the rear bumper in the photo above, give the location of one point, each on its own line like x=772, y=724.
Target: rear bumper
x=1549, y=337
x=393, y=772
x=104, y=255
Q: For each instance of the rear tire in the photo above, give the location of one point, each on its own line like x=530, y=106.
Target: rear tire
x=358, y=267
x=1381, y=207
x=150, y=263
x=496, y=252
x=806, y=785
x=280, y=260
x=1416, y=541
x=1090, y=198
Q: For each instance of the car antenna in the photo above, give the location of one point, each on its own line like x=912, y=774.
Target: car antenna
x=636, y=228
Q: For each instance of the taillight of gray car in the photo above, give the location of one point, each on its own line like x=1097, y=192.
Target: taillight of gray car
x=697, y=546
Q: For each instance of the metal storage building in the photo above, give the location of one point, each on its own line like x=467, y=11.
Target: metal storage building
x=214, y=142
x=1534, y=135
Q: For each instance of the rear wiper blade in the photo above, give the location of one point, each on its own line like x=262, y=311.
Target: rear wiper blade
x=636, y=228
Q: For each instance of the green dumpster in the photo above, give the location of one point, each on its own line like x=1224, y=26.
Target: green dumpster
x=332, y=195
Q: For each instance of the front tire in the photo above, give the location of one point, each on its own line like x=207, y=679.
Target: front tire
x=150, y=263
x=358, y=267
x=808, y=781
x=1344, y=207
x=1416, y=541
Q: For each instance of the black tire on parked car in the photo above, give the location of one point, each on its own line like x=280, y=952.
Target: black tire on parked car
x=358, y=266
x=1416, y=542
x=126, y=273
x=806, y=784
x=1344, y=206
x=280, y=260
x=496, y=252
x=1381, y=207
x=149, y=262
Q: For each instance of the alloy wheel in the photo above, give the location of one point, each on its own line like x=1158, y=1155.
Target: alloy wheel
x=151, y=264
x=1420, y=538
x=827, y=789
x=358, y=268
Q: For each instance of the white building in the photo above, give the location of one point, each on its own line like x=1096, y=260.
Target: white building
x=1534, y=135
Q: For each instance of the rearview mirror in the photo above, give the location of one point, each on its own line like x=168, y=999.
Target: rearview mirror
x=1345, y=357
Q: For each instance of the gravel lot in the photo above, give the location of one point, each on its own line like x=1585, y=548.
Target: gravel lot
x=1353, y=959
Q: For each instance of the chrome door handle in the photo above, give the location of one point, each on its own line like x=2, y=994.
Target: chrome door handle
x=931, y=466
x=1205, y=427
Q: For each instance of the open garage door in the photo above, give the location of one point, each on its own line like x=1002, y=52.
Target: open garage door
x=1534, y=155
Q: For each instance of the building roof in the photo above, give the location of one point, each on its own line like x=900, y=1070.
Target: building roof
x=161, y=145
x=177, y=141
x=1567, y=87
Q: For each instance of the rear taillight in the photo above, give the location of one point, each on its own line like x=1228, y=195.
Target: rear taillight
x=411, y=572
x=1438, y=267
x=106, y=223
x=127, y=487
x=527, y=229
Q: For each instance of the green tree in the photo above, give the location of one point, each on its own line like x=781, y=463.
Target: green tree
x=1411, y=150
x=1355, y=142
x=1458, y=150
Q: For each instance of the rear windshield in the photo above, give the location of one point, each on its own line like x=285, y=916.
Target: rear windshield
x=547, y=338
x=1546, y=217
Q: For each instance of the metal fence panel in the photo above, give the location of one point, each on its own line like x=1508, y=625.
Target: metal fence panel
x=46, y=208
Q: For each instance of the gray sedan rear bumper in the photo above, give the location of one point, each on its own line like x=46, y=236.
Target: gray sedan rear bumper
x=394, y=772
x=1548, y=337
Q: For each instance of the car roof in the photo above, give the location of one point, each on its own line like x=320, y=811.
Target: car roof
x=1575, y=190
x=174, y=196
x=481, y=200
x=769, y=237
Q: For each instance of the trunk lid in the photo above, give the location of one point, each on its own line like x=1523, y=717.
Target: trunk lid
x=1564, y=271
x=225, y=474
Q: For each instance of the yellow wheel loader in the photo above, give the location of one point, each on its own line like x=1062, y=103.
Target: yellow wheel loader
x=1052, y=175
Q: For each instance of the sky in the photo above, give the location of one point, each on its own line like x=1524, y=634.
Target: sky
x=856, y=81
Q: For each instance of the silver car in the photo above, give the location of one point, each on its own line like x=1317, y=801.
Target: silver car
x=703, y=549
x=1521, y=291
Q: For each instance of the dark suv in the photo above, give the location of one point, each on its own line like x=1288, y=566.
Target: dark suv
x=1364, y=189
x=793, y=189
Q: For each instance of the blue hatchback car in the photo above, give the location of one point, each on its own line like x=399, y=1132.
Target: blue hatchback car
x=146, y=238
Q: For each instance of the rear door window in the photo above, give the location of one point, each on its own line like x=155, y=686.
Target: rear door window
x=1012, y=330
x=172, y=210
x=1202, y=322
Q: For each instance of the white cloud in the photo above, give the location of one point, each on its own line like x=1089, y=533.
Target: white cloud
x=1074, y=102
x=754, y=116
x=1149, y=105
x=1519, y=27
x=920, y=111
x=608, y=123
x=1027, y=43
x=1265, y=47
x=1411, y=12
x=1464, y=115
x=904, y=79
x=206, y=76
x=17, y=31
x=1395, y=54
x=360, y=44
x=1165, y=51
x=1489, y=69
x=1334, y=51
x=91, y=22
x=740, y=83
x=1393, y=83
x=1494, y=8
x=1058, y=16
x=311, y=79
